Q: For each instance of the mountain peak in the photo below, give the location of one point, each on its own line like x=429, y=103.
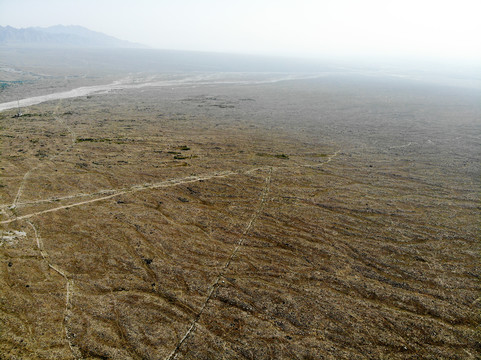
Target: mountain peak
x=61, y=36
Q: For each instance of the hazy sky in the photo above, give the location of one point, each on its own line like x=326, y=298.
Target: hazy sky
x=436, y=28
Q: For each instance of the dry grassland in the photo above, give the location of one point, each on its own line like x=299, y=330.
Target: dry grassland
x=334, y=218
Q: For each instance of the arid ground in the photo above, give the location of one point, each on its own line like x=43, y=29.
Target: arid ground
x=334, y=217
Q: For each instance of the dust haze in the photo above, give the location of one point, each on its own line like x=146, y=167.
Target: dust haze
x=200, y=203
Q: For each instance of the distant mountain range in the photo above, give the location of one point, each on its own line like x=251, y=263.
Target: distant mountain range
x=61, y=36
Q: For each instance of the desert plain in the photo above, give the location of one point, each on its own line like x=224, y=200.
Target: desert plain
x=222, y=215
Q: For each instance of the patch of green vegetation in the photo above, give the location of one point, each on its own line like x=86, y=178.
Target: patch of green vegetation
x=93, y=140
x=173, y=152
x=184, y=148
x=314, y=155
x=5, y=83
x=180, y=157
x=279, y=156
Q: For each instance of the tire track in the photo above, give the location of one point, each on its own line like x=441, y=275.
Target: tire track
x=141, y=187
x=401, y=146
x=115, y=192
x=27, y=174
x=20, y=188
x=215, y=284
x=329, y=159
x=133, y=189
x=69, y=292
x=59, y=198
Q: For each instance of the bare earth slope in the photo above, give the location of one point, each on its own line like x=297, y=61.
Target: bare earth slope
x=331, y=218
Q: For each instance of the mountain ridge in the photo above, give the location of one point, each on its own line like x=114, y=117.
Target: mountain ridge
x=61, y=36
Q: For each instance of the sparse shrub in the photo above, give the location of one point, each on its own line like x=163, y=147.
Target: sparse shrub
x=41, y=154
x=180, y=157
x=279, y=156
x=92, y=140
